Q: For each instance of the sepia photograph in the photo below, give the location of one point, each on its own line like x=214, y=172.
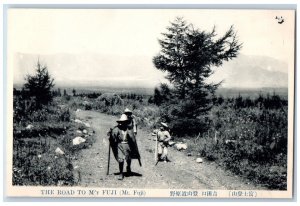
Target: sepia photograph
x=178, y=103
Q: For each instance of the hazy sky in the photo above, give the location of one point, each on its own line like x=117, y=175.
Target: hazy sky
x=130, y=33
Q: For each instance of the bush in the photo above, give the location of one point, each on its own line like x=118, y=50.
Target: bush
x=187, y=126
x=182, y=118
x=246, y=144
x=250, y=141
x=42, y=169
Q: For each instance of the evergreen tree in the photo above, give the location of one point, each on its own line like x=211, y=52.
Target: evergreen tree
x=162, y=94
x=58, y=92
x=187, y=56
x=157, y=98
x=74, y=92
x=39, y=85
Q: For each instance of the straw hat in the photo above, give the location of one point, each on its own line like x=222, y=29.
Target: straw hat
x=164, y=124
x=127, y=111
x=123, y=118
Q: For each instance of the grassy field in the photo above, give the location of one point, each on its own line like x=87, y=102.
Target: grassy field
x=247, y=134
x=250, y=142
x=37, y=138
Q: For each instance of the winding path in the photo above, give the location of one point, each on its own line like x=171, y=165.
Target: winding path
x=182, y=173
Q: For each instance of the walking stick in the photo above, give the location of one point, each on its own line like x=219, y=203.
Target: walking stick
x=156, y=152
x=108, y=159
x=136, y=146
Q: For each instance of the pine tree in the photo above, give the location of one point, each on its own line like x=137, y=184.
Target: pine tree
x=172, y=56
x=74, y=92
x=58, y=92
x=39, y=85
x=187, y=56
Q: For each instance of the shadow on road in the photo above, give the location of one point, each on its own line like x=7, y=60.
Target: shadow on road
x=126, y=174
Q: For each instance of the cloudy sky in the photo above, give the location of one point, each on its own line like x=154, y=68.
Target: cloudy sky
x=126, y=40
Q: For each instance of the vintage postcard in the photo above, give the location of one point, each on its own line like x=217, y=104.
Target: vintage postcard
x=177, y=103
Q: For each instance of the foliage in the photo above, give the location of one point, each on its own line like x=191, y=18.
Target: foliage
x=251, y=133
x=250, y=141
x=162, y=94
x=92, y=95
x=37, y=134
x=39, y=86
x=74, y=92
x=34, y=168
x=24, y=114
x=187, y=56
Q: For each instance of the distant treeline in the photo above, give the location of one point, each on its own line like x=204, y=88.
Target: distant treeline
x=132, y=96
x=224, y=92
x=268, y=101
x=251, y=93
x=261, y=100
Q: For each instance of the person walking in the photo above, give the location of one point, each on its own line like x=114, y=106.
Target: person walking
x=131, y=121
x=132, y=131
x=123, y=144
x=163, y=138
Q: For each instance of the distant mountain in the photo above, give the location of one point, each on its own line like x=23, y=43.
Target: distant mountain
x=122, y=71
x=91, y=69
x=252, y=72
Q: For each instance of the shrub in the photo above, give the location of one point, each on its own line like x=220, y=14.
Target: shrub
x=34, y=159
x=247, y=145
x=43, y=169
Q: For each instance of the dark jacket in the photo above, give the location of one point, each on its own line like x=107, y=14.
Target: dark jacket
x=115, y=138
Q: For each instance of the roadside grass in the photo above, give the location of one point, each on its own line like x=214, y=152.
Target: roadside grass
x=243, y=145
x=248, y=140
x=147, y=115
x=42, y=145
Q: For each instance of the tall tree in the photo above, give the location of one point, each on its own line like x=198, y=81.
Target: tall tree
x=39, y=85
x=172, y=56
x=187, y=56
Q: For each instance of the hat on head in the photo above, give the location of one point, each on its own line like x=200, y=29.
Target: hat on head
x=164, y=124
x=123, y=118
x=127, y=111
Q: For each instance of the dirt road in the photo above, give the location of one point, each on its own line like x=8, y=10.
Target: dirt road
x=182, y=173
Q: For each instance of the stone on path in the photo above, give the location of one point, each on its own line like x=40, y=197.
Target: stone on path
x=87, y=124
x=78, y=121
x=180, y=146
x=78, y=140
x=58, y=151
x=199, y=160
x=30, y=126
